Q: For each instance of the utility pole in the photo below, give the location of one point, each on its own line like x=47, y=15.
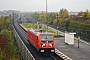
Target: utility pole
x=46, y=15
x=79, y=32
x=46, y=11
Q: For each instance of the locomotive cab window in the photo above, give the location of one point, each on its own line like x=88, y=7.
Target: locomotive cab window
x=46, y=37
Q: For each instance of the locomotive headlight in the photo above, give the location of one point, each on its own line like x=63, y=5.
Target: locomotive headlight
x=50, y=45
x=42, y=50
x=43, y=45
x=52, y=50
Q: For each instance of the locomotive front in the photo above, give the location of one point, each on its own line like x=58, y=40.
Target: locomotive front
x=46, y=43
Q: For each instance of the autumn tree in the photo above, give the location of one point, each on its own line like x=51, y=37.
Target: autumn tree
x=42, y=16
x=84, y=15
x=87, y=14
x=64, y=13
x=1, y=22
x=52, y=17
x=4, y=22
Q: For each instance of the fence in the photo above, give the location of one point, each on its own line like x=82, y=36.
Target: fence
x=22, y=47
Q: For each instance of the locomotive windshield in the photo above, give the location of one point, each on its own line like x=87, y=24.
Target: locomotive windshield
x=46, y=37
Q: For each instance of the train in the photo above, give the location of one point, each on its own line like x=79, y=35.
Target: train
x=43, y=41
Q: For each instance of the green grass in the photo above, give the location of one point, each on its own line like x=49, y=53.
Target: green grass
x=31, y=25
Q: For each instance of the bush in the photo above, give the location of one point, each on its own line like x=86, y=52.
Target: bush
x=8, y=48
x=7, y=33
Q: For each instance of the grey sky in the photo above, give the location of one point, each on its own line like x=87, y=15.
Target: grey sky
x=39, y=5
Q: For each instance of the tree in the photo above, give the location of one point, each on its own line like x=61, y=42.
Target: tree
x=87, y=14
x=64, y=13
x=2, y=22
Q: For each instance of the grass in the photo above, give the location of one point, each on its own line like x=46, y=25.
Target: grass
x=32, y=25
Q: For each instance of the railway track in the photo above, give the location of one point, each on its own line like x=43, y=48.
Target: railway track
x=33, y=51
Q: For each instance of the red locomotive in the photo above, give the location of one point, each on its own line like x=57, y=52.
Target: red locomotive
x=42, y=40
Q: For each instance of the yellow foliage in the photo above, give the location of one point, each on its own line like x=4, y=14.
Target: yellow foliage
x=8, y=20
x=13, y=58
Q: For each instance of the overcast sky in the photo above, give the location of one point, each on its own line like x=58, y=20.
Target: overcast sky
x=40, y=5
